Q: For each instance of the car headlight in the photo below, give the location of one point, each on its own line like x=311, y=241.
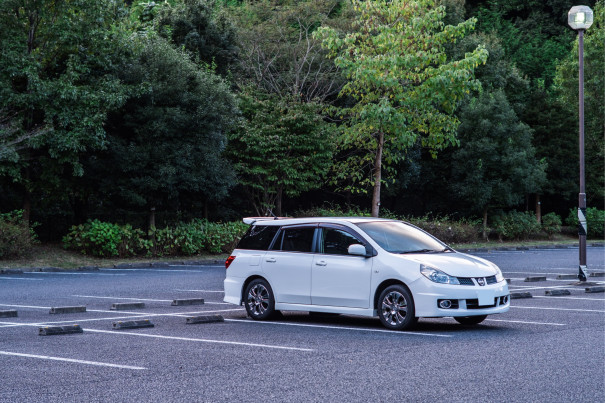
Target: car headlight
x=437, y=275
x=499, y=275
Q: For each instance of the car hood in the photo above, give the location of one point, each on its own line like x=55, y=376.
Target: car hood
x=455, y=264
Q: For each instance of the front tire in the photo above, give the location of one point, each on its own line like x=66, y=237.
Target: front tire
x=396, y=308
x=259, y=300
x=470, y=320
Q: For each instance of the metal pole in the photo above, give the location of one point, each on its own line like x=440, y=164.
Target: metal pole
x=582, y=228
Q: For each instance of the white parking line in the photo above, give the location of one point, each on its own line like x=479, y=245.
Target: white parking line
x=46, y=357
x=233, y=343
x=578, y=298
x=525, y=322
x=154, y=270
x=340, y=328
x=200, y=291
x=144, y=299
x=529, y=273
x=558, y=309
x=529, y=287
x=20, y=278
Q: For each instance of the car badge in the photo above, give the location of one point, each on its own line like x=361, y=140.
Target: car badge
x=480, y=281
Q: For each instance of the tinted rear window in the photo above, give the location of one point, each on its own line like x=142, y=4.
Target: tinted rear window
x=258, y=237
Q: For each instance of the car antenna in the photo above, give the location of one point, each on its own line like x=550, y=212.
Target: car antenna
x=273, y=215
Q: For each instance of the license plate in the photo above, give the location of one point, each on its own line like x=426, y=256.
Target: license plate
x=485, y=298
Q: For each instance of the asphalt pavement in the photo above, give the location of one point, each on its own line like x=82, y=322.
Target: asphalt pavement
x=546, y=348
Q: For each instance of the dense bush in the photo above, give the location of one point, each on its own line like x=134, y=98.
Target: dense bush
x=16, y=237
x=551, y=224
x=516, y=225
x=184, y=239
x=448, y=230
x=595, y=220
x=105, y=239
x=444, y=228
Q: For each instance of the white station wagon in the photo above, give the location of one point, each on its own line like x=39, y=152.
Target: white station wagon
x=359, y=266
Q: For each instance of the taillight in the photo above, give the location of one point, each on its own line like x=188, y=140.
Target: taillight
x=228, y=262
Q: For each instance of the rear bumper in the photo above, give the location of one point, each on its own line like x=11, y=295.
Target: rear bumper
x=233, y=290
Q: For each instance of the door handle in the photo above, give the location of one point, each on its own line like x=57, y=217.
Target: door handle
x=270, y=260
x=321, y=263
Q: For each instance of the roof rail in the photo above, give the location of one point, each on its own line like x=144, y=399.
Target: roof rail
x=252, y=220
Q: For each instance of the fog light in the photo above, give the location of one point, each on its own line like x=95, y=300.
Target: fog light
x=445, y=304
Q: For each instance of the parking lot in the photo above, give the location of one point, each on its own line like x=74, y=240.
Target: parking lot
x=546, y=348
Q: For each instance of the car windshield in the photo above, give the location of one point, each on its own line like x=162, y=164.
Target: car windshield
x=398, y=237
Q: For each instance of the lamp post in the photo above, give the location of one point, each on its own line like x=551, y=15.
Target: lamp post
x=580, y=19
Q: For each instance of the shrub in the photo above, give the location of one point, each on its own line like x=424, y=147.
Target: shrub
x=516, y=225
x=16, y=237
x=551, y=224
x=448, y=230
x=331, y=210
x=595, y=220
x=105, y=239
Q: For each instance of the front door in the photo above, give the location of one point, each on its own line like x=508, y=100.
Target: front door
x=337, y=278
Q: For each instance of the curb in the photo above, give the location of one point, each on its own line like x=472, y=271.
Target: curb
x=525, y=248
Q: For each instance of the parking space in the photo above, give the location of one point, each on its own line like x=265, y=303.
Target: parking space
x=548, y=344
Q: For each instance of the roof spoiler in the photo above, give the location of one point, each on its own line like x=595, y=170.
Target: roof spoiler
x=252, y=220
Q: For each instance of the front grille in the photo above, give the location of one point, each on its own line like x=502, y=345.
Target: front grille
x=469, y=280
x=465, y=281
x=474, y=304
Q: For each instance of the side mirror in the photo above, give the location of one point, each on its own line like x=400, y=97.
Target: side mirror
x=357, y=249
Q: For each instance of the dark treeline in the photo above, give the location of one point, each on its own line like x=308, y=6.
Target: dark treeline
x=164, y=111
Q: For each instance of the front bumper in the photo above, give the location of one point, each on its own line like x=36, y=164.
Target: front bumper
x=465, y=300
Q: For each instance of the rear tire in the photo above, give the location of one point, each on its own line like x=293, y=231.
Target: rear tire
x=470, y=320
x=396, y=308
x=259, y=300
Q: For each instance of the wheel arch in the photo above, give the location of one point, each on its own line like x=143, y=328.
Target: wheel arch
x=387, y=283
x=248, y=281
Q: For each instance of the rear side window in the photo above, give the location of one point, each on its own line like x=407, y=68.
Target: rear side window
x=258, y=237
x=295, y=240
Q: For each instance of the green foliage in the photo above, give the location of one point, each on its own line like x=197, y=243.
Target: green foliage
x=164, y=146
x=495, y=165
x=333, y=210
x=551, y=224
x=516, y=225
x=104, y=239
x=282, y=148
x=16, y=237
x=57, y=80
x=278, y=51
x=199, y=27
x=447, y=229
x=184, y=239
x=405, y=89
x=595, y=221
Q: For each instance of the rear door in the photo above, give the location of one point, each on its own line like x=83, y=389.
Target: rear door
x=287, y=265
x=340, y=279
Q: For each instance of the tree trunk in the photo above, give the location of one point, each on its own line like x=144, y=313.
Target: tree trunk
x=152, y=219
x=278, y=200
x=27, y=201
x=377, y=176
x=484, y=234
x=538, y=209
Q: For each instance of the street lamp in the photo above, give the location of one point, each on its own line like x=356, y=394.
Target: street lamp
x=580, y=19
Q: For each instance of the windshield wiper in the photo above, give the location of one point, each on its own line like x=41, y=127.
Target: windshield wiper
x=419, y=251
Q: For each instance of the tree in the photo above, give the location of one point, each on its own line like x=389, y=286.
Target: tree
x=495, y=165
x=279, y=53
x=594, y=102
x=283, y=148
x=164, y=146
x=57, y=84
x=404, y=87
x=202, y=29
